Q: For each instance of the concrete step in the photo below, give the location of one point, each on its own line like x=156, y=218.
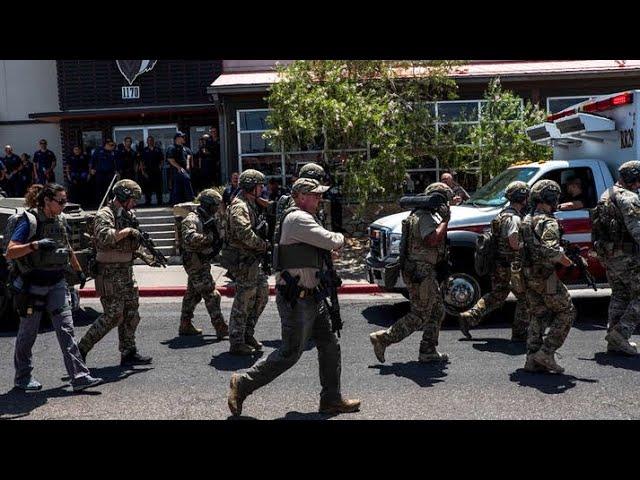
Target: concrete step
x=163, y=242
x=156, y=219
x=157, y=227
x=153, y=212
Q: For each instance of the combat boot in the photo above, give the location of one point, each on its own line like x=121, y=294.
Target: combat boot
x=252, y=342
x=547, y=360
x=339, y=406
x=235, y=398
x=533, y=367
x=222, y=329
x=241, y=349
x=433, y=357
x=464, y=322
x=134, y=358
x=617, y=343
x=379, y=344
x=188, y=329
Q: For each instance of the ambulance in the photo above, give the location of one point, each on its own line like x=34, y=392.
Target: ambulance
x=590, y=141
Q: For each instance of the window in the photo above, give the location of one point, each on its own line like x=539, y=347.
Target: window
x=585, y=191
x=557, y=104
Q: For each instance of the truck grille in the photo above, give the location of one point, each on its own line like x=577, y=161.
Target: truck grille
x=378, y=240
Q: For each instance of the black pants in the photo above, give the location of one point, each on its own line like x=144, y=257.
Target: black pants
x=153, y=184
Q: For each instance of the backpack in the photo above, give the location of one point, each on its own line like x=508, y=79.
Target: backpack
x=11, y=226
x=484, y=258
x=180, y=212
x=607, y=226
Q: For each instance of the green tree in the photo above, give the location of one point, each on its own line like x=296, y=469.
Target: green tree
x=499, y=139
x=344, y=105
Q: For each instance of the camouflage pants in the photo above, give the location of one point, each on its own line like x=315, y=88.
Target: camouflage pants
x=200, y=286
x=500, y=288
x=118, y=292
x=623, y=274
x=252, y=294
x=548, y=310
x=426, y=314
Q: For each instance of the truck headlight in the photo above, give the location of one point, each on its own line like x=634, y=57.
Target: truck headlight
x=394, y=243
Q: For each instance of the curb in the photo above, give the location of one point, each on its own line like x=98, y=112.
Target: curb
x=179, y=291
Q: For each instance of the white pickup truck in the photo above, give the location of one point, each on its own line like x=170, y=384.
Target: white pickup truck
x=590, y=141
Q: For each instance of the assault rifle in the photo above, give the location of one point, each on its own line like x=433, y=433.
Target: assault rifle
x=329, y=284
x=146, y=241
x=262, y=230
x=572, y=251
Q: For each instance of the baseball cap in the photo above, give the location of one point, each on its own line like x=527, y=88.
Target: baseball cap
x=308, y=185
x=178, y=134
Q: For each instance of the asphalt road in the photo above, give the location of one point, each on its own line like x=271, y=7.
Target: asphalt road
x=189, y=377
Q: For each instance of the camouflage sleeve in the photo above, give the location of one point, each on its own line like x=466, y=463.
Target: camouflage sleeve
x=630, y=206
x=104, y=229
x=190, y=235
x=549, y=233
x=240, y=223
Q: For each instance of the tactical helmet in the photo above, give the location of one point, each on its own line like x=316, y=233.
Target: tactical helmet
x=517, y=191
x=312, y=170
x=250, y=178
x=439, y=187
x=125, y=189
x=630, y=171
x=545, y=191
x=209, y=198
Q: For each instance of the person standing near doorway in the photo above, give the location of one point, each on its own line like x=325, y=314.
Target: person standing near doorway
x=126, y=160
x=179, y=157
x=151, y=169
x=103, y=166
x=45, y=161
x=77, y=175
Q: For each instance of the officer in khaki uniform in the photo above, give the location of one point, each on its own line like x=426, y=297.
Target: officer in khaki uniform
x=116, y=246
x=621, y=254
x=425, y=234
x=505, y=233
x=300, y=243
x=548, y=298
x=241, y=256
x=199, y=243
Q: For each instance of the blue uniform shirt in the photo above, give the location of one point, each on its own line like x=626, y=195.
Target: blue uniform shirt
x=104, y=161
x=78, y=166
x=44, y=160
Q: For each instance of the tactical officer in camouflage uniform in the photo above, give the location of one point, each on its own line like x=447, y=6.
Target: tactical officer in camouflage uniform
x=116, y=245
x=301, y=244
x=504, y=230
x=200, y=242
x=619, y=250
x=241, y=256
x=548, y=298
x=425, y=236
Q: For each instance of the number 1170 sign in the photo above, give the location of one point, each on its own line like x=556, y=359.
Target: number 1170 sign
x=130, y=92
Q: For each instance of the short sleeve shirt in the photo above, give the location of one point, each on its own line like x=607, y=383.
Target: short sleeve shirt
x=179, y=153
x=510, y=225
x=427, y=224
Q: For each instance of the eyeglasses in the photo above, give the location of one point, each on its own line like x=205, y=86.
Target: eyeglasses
x=61, y=202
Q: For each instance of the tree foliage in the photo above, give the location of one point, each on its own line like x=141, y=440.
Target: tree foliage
x=499, y=139
x=342, y=105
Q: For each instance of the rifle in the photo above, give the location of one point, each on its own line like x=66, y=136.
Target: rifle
x=146, y=241
x=329, y=284
x=262, y=230
x=572, y=251
x=209, y=226
x=106, y=194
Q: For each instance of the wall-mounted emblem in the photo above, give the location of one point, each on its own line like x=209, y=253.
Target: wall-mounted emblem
x=132, y=69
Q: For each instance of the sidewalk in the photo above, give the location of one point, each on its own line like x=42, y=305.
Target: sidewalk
x=172, y=282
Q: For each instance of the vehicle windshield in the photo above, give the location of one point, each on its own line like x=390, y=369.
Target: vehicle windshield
x=492, y=194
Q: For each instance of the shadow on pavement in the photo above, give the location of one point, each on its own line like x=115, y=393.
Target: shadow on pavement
x=229, y=363
x=548, y=383
x=615, y=360
x=192, y=341
x=85, y=316
x=240, y=418
x=590, y=326
x=499, y=345
x=425, y=375
x=385, y=315
x=306, y=416
x=115, y=373
x=17, y=404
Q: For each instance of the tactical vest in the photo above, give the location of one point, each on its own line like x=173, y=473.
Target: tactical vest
x=417, y=250
x=609, y=233
x=295, y=255
x=505, y=252
x=54, y=260
x=231, y=240
x=199, y=229
x=122, y=251
x=532, y=257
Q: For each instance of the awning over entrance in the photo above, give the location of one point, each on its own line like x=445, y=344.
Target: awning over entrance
x=478, y=71
x=130, y=112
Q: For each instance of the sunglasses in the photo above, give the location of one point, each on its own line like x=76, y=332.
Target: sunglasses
x=62, y=202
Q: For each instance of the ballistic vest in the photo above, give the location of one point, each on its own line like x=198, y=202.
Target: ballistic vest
x=122, y=251
x=417, y=250
x=54, y=260
x=505, y=252
x=294, y=255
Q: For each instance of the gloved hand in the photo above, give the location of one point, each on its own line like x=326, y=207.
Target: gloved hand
x=83, y=279
x=46, y=244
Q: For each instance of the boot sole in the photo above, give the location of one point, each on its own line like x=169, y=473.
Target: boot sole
x=335, y=411
x=89, y=385
x=234, y=411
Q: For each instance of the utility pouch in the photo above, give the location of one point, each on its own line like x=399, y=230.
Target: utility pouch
x=516, y=281
x=23, y=303
x=104, y=287
x=551, y=284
